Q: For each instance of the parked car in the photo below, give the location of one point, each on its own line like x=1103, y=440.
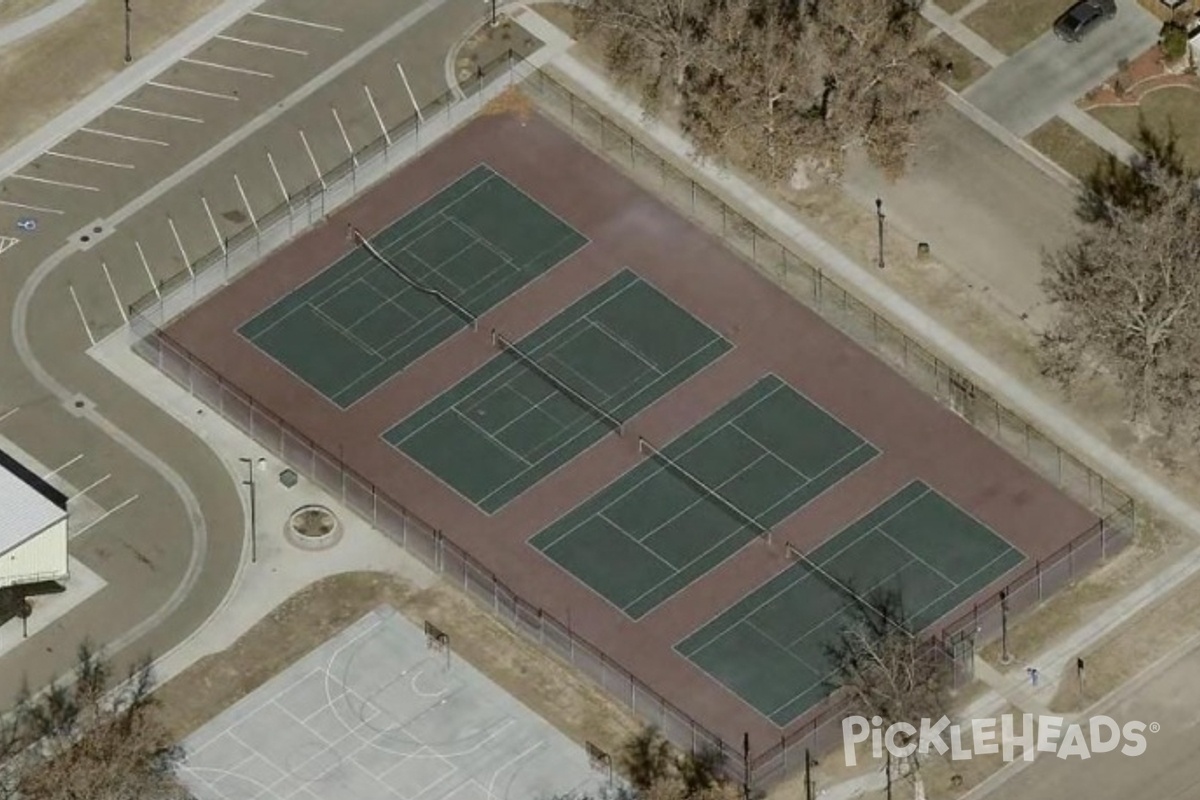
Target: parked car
x=1081, y=18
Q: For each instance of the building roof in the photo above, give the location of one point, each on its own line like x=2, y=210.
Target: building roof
x=28, y=505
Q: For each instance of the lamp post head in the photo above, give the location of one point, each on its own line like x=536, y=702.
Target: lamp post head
x=878, y=203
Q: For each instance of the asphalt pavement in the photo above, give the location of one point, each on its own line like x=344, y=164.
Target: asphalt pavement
x=204, y=148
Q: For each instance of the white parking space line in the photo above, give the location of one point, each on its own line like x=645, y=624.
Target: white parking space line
x=64, y=184
x=103, y=517
x=387, y=137
x=116, y=297
x=9, y=413
x=349, y=147
x=87, y=328
x=171, y=87
x=54, y=472
x=124, y=137
x=227, y=67
x=294, y=21
x=89, y=487
x=27, y=207
x=312, y=159
x=245, y=200
x=213, y=222
x=163, y=114
x=411, y=97
x=86, y=160
x=187, y=262
x=264, y=45
x=278, y=179
x=146, y=265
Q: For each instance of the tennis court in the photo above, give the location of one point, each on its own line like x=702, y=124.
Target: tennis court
x=680, y=513
x=358, y=323
x=563, y=387
x=770, y=648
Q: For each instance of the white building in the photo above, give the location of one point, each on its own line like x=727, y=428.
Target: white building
x=33, y=527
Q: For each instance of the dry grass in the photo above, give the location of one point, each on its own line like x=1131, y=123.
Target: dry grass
x=1009, y=25
x=964, y=66
x=561, y=14
x=42, y=76
x=1175, y=106
x=1068, y=148
x=320, y=611
x=11, y=10
x=952, y=6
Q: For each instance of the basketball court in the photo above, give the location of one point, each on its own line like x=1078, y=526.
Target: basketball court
x=376, y=714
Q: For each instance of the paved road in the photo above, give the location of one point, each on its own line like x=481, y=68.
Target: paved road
x=1168, y=770
x=983, y=208
x=1027, y=89
x=166, y=174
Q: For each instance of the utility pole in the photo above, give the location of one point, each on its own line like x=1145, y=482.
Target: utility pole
x=879, y=215
x=249, y=462
x=809, y=763
x=128, y=20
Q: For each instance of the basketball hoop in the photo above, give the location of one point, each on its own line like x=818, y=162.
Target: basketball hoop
x=437, y=640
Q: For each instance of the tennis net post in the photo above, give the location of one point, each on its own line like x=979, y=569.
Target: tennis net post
x=504, y=345
x=763, y=531
x=436, y=294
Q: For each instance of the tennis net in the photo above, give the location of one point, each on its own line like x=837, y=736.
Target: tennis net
x=509, y=347
x=436, y=294
x=795, y=555
x=645, y=447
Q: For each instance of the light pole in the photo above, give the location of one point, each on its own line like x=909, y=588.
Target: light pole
x=879, y=215
x=128, y=48
x=249, y=462
x=1005, y=656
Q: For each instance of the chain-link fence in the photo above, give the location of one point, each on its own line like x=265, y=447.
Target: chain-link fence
x=820, y=729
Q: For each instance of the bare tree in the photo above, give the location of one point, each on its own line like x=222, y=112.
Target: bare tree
x=886, y=669
x=1127, y=293
x=85, y=741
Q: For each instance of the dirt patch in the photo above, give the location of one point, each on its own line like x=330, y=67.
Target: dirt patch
x=1068, y=148
x=1009, y=25
x=42, y=76
x=489, y=46
x=329, y=606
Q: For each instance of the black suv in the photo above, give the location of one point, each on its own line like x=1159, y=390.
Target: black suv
x=1080, y=18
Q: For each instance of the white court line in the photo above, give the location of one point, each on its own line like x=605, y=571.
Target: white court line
x=294, y=21
x=349, y=147
x=213, y=222
x=387, y=137
x=86, y=160
x=312, y=159
x=146, y=264
x=124, y=137
x=411, y=97
x=103, y=517
x=227, y=67
x=9, y=413
x=279, y=179
x=113, y=286
x=187, y=262
x=189, y=90
x=54, y=472
x=264, y=45
x=64, y=184
x=163, y=114
x=87, y=328
x=245, y=200
x=88, y=488
x=43, y=209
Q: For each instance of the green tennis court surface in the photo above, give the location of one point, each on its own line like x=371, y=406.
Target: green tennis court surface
x=770, y=648
x=653, y=531
x=505, y=427
x=357, y=324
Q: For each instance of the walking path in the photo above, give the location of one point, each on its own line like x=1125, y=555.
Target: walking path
x=32, y=23
x=1005, y=688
